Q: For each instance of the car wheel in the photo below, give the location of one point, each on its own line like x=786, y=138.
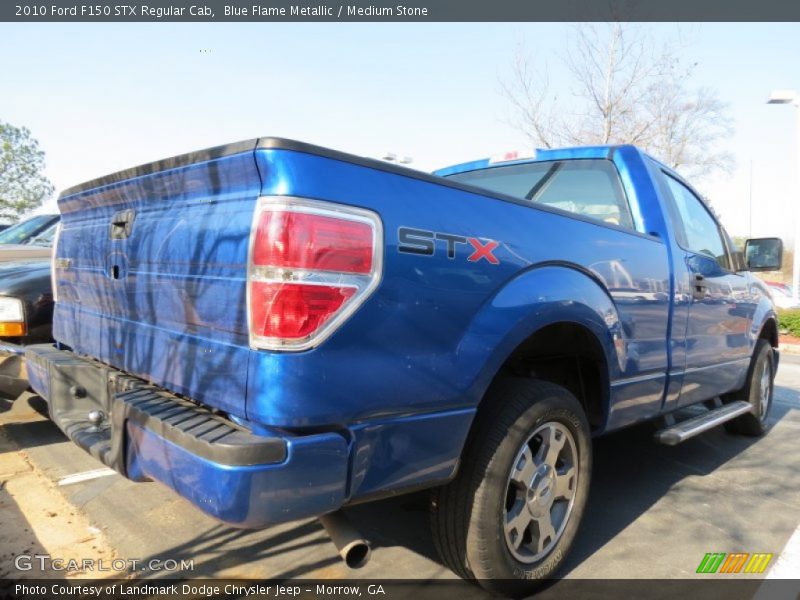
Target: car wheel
x=511, y=514
x=758, y=391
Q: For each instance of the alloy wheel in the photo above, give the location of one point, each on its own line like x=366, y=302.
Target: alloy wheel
x=540, y=492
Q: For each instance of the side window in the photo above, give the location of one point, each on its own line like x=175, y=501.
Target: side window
x=738, y=261
x=587, y=187
x=701, y=232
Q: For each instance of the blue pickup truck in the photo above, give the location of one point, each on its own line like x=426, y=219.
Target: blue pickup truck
x=275, y=331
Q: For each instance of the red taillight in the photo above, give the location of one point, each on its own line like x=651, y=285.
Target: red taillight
x=313, y=242
x=294, y=311
x=311, y=265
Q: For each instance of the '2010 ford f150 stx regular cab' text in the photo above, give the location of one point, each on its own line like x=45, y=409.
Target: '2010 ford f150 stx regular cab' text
x=275, y=330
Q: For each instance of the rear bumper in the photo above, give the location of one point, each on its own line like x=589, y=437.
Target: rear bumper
x=146, y=433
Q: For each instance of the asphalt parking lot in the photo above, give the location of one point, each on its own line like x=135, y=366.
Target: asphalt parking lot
x=654, y=511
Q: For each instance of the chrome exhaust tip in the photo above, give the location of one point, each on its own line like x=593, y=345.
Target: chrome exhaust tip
x=353, y=548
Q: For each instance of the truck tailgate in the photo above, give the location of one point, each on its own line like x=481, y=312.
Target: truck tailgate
x=150, y=272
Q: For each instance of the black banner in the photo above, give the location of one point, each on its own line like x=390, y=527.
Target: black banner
x=710, y=587
x=400, y=10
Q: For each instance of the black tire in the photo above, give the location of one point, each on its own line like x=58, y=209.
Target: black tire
x=469, y=515
x=762, y=365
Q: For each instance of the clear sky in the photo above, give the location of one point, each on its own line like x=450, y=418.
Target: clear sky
x=102, y=97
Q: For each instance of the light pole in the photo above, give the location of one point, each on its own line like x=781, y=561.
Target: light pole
x=792, y=97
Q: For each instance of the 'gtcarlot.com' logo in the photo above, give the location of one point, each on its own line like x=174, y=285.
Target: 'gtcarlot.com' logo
x=45, y=562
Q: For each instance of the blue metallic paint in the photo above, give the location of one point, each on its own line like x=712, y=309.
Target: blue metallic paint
x=400, y=381
x=427, y=307
x=764, y=308
x=167, y=318
x=309, y=483
x=711, y=348
x=398, y=453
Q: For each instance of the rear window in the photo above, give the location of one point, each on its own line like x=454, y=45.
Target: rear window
x=587, y=187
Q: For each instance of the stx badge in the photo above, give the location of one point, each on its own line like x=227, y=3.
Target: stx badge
x=419, y=241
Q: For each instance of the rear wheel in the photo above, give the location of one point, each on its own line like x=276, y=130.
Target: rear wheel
x=758, y=390
x=510, y=516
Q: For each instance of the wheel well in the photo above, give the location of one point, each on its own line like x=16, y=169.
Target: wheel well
x=568, y=355
x=769, y=332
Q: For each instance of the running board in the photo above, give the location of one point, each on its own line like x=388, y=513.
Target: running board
x=682, y=431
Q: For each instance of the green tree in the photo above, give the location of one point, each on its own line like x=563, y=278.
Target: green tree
x=22, y=185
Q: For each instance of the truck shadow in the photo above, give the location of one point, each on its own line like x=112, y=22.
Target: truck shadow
x=631, y=474
x=30, y=425
x=222, y=551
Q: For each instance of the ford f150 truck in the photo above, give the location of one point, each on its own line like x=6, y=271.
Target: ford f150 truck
x=276, y=330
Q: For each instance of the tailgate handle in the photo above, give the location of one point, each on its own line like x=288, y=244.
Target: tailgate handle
x=122, y=224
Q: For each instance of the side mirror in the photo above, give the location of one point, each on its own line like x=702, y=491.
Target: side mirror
x=763, y=254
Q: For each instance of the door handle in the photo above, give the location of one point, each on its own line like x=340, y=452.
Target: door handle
x=699, y=288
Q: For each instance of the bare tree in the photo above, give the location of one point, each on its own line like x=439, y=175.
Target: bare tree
x=626, y=91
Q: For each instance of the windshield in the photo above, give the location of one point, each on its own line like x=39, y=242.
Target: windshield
x=45, y=238
x=24, y=232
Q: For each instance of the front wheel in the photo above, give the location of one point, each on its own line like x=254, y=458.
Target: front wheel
x=758, y=390
x=511, y=514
